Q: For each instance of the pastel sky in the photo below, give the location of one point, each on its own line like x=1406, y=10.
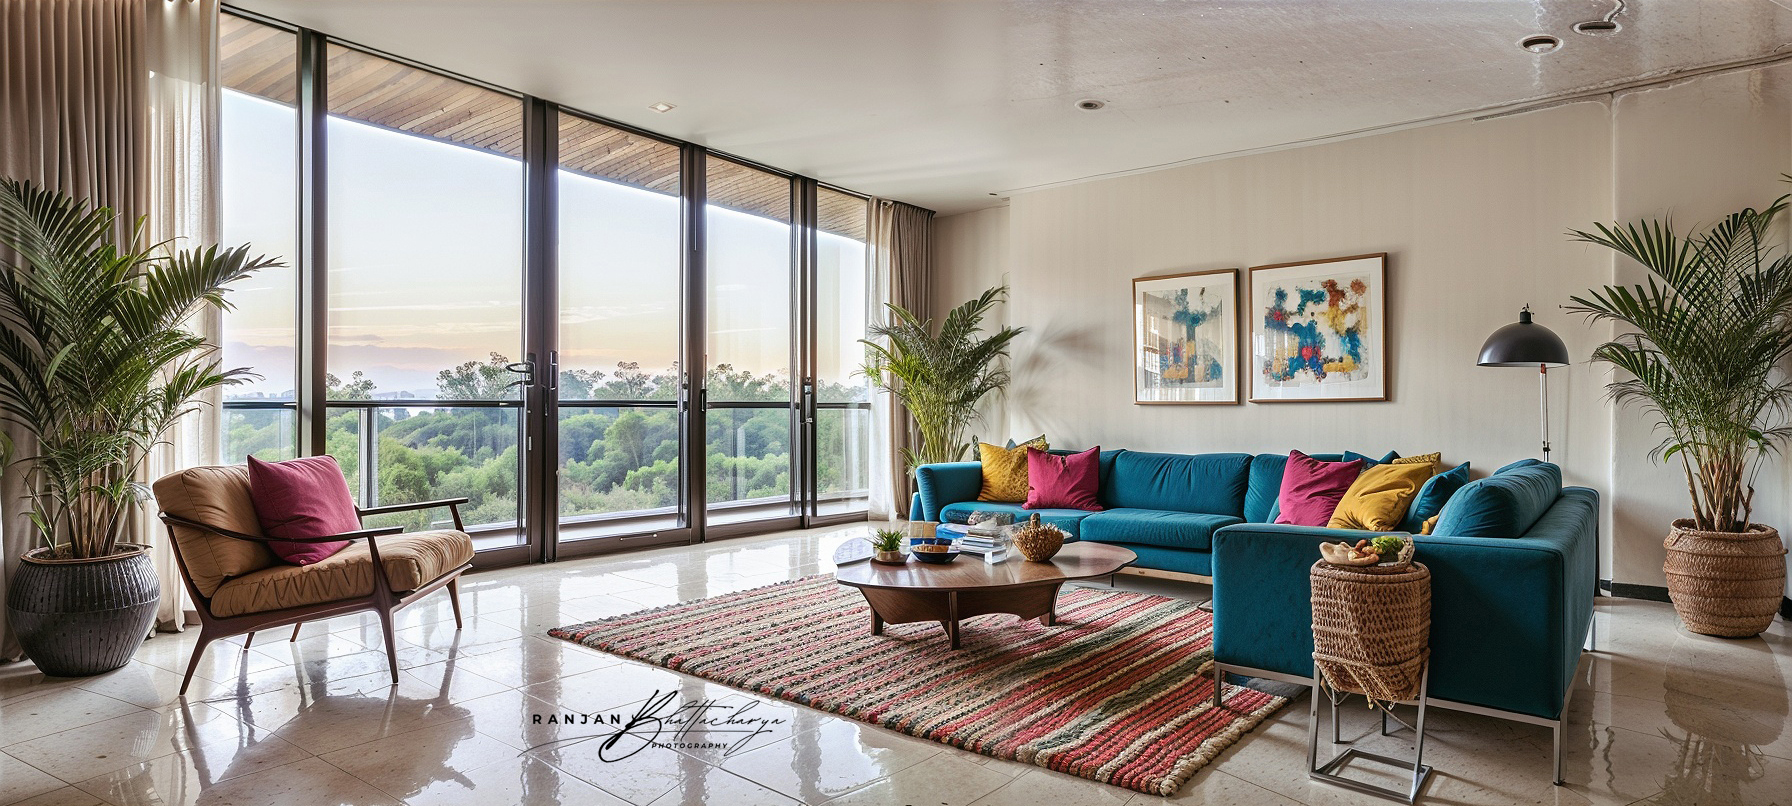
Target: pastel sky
x=425, y=261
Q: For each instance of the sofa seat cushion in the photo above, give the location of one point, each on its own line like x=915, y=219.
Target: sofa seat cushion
x=1150, y=527
x=412, y=560
x=1066, y=519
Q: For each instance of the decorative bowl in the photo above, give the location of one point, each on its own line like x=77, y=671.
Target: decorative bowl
x=936, y=553
x=1038, y=543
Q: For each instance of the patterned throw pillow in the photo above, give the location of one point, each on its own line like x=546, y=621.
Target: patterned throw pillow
x=1005, y=470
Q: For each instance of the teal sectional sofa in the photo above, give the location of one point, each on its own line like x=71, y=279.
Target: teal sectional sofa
x=1513, y=560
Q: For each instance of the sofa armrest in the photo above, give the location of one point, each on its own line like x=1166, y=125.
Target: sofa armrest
x=947, y=483
x=1508, y=615
x=1262, y=602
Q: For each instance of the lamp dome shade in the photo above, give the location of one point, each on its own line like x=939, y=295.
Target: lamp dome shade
x=1524, y=344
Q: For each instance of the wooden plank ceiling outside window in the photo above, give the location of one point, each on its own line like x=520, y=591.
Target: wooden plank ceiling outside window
x=261, y=60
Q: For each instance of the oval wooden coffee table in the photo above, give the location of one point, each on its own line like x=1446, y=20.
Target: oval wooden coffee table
x=917, y=591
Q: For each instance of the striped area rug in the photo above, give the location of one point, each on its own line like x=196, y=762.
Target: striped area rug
x=1115, y=693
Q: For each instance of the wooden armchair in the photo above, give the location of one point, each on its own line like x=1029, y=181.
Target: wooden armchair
x=240, y=587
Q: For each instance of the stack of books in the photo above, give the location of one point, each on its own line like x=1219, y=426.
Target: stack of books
x=982, y=540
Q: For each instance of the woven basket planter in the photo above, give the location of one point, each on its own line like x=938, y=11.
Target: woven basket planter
x=1725, y=584
x=1371, y=627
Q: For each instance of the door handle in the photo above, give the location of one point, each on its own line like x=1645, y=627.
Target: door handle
x=523, y=368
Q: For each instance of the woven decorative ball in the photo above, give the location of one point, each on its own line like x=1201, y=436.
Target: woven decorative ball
x=1038, y=542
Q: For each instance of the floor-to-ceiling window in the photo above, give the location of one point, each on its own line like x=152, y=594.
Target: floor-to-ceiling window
x=259, y=205
x=425, y=261
x=620, y=233
x=748, y=351
x=468, y=267
x=842, y=393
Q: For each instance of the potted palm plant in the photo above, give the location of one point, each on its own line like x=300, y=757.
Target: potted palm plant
x=1699, y=349
x=940, y=375
x=95, y=364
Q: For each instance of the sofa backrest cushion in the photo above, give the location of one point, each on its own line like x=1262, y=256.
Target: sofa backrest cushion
x=216, y=496
x=1371, y=461
x=1502, y=505
x=1209, y=483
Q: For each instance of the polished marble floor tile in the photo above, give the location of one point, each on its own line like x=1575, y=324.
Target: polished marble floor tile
x=1658, y=716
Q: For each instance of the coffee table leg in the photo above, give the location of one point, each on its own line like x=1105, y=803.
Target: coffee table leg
x=877, y=623
x=952, y=617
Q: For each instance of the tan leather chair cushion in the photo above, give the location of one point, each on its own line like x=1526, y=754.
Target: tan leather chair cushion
x=218, y=496
x=412, y=561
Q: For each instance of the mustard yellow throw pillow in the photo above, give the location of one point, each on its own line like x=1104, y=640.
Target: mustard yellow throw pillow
x=1005, y=470
x=1430, y=524
x=1423, y=459
x=1378, y=499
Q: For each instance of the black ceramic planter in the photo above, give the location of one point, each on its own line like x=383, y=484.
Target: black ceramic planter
x=77, y=618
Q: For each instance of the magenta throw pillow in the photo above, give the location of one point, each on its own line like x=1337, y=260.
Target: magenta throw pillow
x=1063, y=482
x=1311, y=489
x=302, y=498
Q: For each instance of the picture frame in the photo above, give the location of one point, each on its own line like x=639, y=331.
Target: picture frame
x=1319, y=331
x=1187, y=348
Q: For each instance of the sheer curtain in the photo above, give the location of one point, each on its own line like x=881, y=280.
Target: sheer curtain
x=901, y=242
x=183, y=100
x=78, y=103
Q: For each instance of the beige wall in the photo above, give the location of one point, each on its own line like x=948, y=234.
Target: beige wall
x=1472, y=215
x=975, y=248
x=1697, y=150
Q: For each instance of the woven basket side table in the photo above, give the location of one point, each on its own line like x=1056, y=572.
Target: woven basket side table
x=1371, y=629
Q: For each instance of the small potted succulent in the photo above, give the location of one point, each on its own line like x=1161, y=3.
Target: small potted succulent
x=886, y=545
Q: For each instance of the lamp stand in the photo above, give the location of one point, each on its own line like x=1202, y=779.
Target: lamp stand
x=1543, y=404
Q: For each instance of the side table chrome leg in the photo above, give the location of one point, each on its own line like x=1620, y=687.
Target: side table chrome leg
x=1328, y=771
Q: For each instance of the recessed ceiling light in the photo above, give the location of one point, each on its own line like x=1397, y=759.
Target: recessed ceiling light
x=1090, y=104
x=1597, y=27
x=662, y=107
x=1541, y=43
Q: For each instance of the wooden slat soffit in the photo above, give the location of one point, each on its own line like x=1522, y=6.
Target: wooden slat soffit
x=262, y=60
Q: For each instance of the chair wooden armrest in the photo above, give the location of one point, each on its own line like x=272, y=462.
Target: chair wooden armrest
x=359, y=534
x=453, y=505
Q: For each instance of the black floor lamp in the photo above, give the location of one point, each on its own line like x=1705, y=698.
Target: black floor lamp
x=1527, y=344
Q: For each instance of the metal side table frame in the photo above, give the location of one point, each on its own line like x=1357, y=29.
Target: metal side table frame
x=1327, y=772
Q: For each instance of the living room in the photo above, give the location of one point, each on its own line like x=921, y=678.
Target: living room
x=959, y=403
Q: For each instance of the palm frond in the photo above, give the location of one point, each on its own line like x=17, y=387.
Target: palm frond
x=95, y=361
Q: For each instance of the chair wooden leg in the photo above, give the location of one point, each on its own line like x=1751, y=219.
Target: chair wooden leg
x=454, y=599
x=193, y=665
x=295, y=631
x=391, y=643
x=248, y=639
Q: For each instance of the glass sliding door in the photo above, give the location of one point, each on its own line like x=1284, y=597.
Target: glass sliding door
x=258, y=205
x=620, y=226
x=842, y=406
x=424, y=334
x=749, y=344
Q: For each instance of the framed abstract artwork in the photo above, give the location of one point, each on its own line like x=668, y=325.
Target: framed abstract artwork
x=1319, y=330
x=1185, y=338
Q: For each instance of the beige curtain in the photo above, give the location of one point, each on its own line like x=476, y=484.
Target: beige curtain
x=182, y=48
x=901, y=244
x=80, y=111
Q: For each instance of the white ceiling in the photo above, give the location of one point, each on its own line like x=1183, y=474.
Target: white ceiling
x=943, y=103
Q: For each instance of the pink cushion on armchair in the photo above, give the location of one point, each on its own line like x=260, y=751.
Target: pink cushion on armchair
x=1311, y=489
x=302, y=498
x=1063, y=482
